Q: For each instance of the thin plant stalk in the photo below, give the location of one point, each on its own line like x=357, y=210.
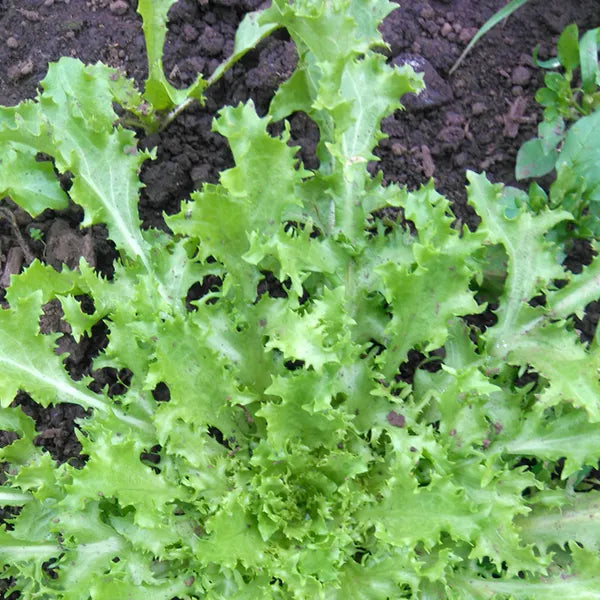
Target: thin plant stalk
x=502, y=14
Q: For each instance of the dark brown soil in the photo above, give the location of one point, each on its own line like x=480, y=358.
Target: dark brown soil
x=475, y=119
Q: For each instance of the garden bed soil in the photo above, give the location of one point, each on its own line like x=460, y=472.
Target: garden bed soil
x=476, y=118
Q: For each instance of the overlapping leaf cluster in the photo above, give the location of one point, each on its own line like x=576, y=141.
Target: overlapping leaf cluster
x=294, y=462
x=566, y=141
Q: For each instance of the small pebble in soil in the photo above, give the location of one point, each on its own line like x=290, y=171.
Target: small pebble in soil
x=119, y=7
x=398, y=149
x=211, y=41
x=454, y=119
x=190, y=33
x=430, y=27
x=31, y=15
x=446, y=29
x=460, y=159
x=427, y=12
x=520, y=76
x=12, y=42
x=467, y=34
x=451, y=136
x=200, y=174
x=478, y=108
x=20, y=70
x=526, y=59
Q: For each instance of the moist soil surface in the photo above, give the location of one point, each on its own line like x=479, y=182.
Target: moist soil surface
x=476, y=118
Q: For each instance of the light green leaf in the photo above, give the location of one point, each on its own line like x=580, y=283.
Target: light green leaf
x=21, y=451
x=90, y=546
x=459, y=398
x=159, y=92
x=420, y=309
x=577, y=582
x=295, y=420
x=43, y=279
x=576, y=295
x=375, y=90
x=10, y=497
x=111, y=587
x=297, y=255
x=251, y=197
x=561, y=358
x=29, y=183
x=200, y=387
x=14, y=550
x=408, y=515
x=115, y=470
x=232, y=537
x=104, y=161
x=28, y=361
x=81, y=323
x=249, y=33
x=316, y=337
x=568, y=434
x=561, y=518
x=500, y=501
x=532, y=261
x=346, y=89
x=374, y=579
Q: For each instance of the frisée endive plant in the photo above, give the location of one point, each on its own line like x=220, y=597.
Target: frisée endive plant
x=293, y=460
